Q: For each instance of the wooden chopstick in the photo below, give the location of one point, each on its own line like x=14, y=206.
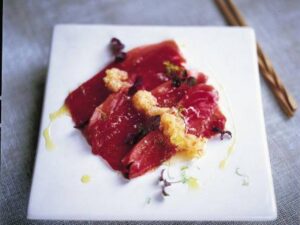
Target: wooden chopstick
x=285, y=100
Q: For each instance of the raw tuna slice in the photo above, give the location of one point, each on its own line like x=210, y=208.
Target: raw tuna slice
x=149, y=153
x=168, y=96
x=109, y=128
x=201, y=113
x=115, y=127
x=143, y=62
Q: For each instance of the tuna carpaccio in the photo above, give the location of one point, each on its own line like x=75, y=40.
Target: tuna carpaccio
x=128, y=140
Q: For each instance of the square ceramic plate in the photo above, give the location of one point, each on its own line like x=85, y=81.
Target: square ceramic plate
x=243, y=190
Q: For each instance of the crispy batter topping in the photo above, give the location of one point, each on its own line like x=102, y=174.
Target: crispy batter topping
x=144, y=101
x=173, y=126
x=171, y=123
x=115, y=79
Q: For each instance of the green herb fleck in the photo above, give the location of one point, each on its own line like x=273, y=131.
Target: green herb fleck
x=178, y=75
x=184, y=168
x=184, y=177
x=171, y=68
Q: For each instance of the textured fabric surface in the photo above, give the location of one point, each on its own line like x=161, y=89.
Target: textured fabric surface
x=27, y=34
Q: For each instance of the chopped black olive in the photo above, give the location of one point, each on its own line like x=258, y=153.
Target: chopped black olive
x=120, y=57
x=81, y=125
x=184, y=74
x=133, y=138
x=134, y=88
x=191, y=81
x=216, y=130
x=176, y=81
x=178, y=75
x=151, y=124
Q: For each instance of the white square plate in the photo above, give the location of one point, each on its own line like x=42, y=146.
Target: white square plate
x=228, y=55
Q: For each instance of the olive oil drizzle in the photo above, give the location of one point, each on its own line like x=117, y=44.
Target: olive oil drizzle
x=230, y=151
x=231, y=148
x=63, y=110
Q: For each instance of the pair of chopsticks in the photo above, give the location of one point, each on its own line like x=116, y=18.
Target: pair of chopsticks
x=285, y=100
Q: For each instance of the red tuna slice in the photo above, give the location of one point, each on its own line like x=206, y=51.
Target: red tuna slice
x=149, y=153
x=216, y=124
x=154, y=148
x=116, y=126
x=115, y=140
x=145, y=62
x=169, y=96
x=201, y=111
x=109, y=128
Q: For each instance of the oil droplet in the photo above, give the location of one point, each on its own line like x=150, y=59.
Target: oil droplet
x=231, y=147
x=230, y=150
x=193, y=183
x=63, y=110
x=223, y=163
x=48, y=141
x=85, y=179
